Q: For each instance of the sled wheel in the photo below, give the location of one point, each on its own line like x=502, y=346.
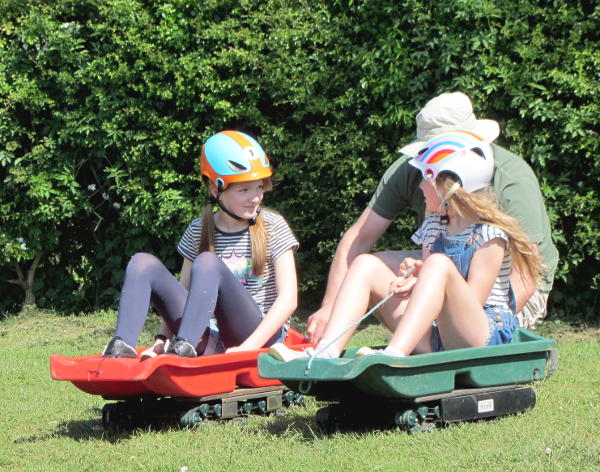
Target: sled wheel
x=246, y=408
x=196, y=416
x=291, y=398
x=122, y=415
x=107, y=414
x=191, y=419
x=299, y=399
x=112, y=417
x=288, y=398
x=409, y=420
x=327, y=420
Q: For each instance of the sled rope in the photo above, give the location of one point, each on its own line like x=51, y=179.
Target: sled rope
x=356, y=323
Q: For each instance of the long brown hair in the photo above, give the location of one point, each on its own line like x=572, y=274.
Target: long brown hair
x=483, y=206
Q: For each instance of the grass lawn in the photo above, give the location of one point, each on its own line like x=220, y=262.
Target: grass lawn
x=50, y=425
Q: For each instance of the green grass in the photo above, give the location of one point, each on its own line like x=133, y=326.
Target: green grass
x=50, y=425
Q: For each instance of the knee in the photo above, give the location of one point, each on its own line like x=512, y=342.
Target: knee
x=142, y=262
x=438, y=262
x=206, y=262
x=366, y=262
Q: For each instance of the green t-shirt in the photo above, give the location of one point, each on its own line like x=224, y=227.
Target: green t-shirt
x=515, y=183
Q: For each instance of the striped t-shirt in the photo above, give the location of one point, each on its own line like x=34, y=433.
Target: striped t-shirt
x=432, y=226
x=235, y=251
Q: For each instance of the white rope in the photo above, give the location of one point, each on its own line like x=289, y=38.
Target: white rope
x=356, y=323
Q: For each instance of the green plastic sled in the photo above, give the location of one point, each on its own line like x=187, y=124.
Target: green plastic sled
x=348, y=378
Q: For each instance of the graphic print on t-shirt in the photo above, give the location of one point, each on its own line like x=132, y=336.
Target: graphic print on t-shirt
x=239, y=265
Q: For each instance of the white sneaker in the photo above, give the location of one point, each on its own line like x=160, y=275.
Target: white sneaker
x=367, y=351
x=283, y=353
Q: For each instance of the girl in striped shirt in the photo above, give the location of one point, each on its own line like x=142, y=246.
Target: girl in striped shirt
x=238, y=272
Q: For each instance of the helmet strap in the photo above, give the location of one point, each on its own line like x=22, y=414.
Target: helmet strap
x=217, y=200
x=444, y=198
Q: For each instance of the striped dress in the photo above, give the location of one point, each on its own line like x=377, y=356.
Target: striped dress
x=433, y=225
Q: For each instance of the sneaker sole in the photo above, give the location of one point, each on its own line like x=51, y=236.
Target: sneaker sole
x=284, y=353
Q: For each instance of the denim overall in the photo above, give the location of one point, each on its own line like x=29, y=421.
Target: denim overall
x=502, y=322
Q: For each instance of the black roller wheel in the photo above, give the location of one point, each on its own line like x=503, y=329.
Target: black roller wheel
x=122, y=416
x=113, y=418
x=327, y=420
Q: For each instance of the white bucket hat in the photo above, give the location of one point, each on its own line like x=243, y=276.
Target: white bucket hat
x=449, y=112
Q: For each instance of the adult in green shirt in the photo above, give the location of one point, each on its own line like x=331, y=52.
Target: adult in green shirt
x=517, y=188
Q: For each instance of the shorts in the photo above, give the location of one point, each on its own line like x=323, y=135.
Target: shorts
x=534, y=310
x=501, y=321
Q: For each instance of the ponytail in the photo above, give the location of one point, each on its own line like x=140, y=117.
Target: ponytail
x=207, y=230
x=259, y=240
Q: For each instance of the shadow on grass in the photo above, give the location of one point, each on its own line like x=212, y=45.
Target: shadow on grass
x=83, y=430
x=297, y=426
x=92, y=430
x=305, y=427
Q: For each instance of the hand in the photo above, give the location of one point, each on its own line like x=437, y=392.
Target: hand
x=153, y=351
x=407, y=264
x=317, y=323
x=402, y=287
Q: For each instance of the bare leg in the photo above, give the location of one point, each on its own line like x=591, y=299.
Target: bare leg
x=441, y=293
x=367, y=281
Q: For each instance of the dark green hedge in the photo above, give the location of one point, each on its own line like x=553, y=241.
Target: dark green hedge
x=105, y=105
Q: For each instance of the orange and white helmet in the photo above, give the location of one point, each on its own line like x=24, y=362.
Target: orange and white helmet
x=232, y=156
x=464, y=154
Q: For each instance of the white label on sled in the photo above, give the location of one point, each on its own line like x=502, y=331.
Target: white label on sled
x=485, y=406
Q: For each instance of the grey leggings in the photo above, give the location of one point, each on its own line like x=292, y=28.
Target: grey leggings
x=213, y=290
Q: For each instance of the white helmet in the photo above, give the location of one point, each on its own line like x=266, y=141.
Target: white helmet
x=463, y=154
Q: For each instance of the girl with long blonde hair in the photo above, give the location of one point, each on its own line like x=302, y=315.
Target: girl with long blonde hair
x=459, y=294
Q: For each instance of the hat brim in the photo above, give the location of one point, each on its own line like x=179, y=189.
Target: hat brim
x=413, y=148
x=488, y=130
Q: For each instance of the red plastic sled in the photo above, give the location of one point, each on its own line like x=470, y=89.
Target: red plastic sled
x=166, y=375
